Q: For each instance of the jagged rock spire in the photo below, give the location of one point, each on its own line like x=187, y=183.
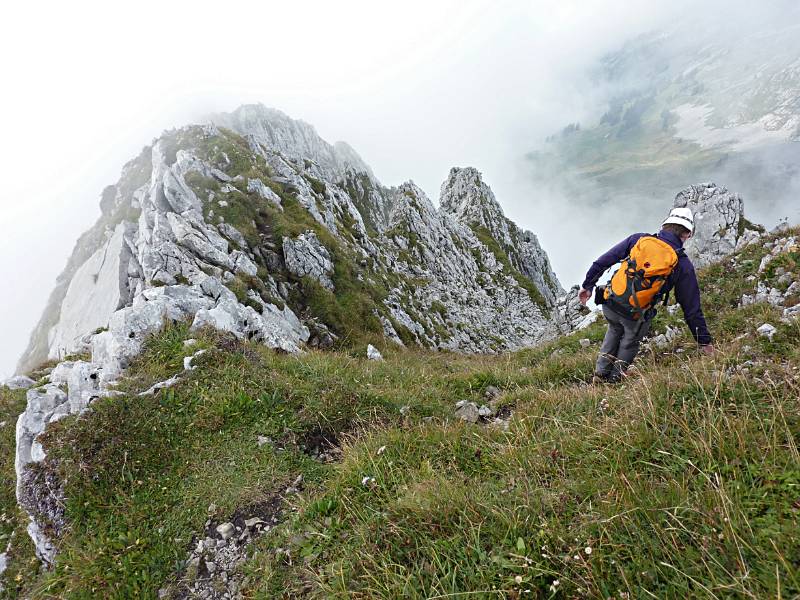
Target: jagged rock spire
x=466, y=197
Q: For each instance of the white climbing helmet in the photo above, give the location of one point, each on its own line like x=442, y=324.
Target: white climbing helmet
x=681, y=216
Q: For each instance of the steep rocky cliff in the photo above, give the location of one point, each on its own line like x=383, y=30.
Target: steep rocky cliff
x=268, y=210
x=254, y=225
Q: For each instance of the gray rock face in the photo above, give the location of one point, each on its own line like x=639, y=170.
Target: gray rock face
x=97, y=290
x=464, y=298
x=571, y=315
x=719, y=224
x=45, y=405
x=19, y=382
x=305, y=256
x=469, y=200
x=782, y=291
x=295, y=140
x=257, y=186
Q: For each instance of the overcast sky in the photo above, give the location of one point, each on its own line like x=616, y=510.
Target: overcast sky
x=415, y=87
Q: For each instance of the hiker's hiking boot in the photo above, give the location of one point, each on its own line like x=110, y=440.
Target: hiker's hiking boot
x=612, y=379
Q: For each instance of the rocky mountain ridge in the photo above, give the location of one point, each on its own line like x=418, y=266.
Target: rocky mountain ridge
x=169, y=222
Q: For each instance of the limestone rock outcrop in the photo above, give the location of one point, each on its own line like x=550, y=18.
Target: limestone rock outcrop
x=719, y=224
x=470, y=201
x=295, y=140
x=571, y=314
x=305, y=256
x=19, y=382
x=465, y=296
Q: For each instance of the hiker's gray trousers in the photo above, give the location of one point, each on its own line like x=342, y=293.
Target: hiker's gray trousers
x=620, y=345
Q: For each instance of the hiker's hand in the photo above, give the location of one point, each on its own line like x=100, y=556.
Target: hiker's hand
x=707, y=349
x=584, y=296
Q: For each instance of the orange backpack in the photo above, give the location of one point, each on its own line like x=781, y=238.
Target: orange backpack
x=636, y=285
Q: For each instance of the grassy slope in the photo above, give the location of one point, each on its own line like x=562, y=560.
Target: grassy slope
x=644, y=156
x=687, y=484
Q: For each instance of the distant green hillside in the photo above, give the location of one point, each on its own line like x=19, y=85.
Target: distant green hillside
x=688, y=106
x=682, y=482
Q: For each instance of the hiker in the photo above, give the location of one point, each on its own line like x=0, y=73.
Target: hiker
x=650, y=266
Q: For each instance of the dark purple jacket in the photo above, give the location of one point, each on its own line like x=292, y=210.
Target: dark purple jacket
x=683, y=280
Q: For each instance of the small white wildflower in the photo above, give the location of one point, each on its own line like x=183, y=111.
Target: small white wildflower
x=367, y=481
x=381, y=450
x=518, y=578
x=588, y=550
x=576, y=557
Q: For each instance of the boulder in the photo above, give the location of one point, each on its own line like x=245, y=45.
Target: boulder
x=258, y=187
x=467, y=411
x=767, y=330
x=791, y=312
x=571, y=315
x=663, y=340
x=719, y=223
x=226, y=530
x=373, y=353
x=233, y=234
x=769, y=295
